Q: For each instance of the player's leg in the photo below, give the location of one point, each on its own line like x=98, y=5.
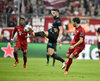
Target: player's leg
x=99, y=50
x=24, y=49
x=47, y=56
x=16, y=56
x=99, y=54
x=55, y=56
x=47, y=59
x=74, y=53
x=40, y=34
x=69, y=63
x=25, y=59
x=16, y=48
x=54, y=59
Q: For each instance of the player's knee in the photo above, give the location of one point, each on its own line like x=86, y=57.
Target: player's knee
x=71, y=56
x=98, y=50
x=49, y=54
x=67, y=55
x=41, y=34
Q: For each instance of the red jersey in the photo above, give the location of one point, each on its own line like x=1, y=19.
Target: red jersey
x=79, y=32
x=21, y=34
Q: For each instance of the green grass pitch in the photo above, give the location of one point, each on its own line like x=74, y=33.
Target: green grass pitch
x=80, y=70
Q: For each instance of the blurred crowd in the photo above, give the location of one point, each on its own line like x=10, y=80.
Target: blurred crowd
x=10, y=10
x=37, y=7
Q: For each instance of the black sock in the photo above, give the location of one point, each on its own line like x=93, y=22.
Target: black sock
x=55, y=56
x=53, y=61
x=40, y=34
x=99, y=53
x=47, y=58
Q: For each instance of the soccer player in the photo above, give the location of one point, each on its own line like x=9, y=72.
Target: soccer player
x=21, y=42
x=53, y=34
x=77, y=45
x=98, y=39
x=60, y=46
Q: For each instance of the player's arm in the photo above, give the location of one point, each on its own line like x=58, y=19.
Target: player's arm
x=60, y=33
x=11, y=41
x=81, y=35
x=97, y=35
x=79, y=42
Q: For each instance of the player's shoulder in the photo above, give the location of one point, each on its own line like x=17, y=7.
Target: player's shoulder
x=81, y=28
x=17, y=26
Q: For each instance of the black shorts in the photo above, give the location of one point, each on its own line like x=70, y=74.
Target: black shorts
x=52, y=36
x=51, y=45
x=98, y=45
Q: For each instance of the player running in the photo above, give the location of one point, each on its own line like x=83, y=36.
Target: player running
x=98, y=39
x=53, y=35
x=77, y=45
x=21, y=42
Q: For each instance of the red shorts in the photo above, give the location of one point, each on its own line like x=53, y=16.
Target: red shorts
x=21, y=46
x=75, y=51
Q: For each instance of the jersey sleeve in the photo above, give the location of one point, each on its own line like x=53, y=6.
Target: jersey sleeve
x=82, y=33
x=59, y=23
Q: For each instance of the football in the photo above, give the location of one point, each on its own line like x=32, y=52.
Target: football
x=27, y=28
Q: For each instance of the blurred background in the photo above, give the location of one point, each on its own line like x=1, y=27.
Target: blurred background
x=37, y=13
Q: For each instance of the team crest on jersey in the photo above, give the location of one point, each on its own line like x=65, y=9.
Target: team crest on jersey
x=81, y=34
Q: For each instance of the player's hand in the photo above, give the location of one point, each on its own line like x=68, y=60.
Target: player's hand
x=30, y=29
x=72, y=47
x=58, y=40
x=11, y=42
x=60, y=46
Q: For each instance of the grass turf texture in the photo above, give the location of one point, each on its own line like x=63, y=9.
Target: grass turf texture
x=81, y=70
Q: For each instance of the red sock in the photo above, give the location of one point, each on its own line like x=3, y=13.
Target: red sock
x=69, y=63
x=16, y=57
x=25, y=59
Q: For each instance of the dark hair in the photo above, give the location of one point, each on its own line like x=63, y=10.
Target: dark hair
x=55, y=10
x=77, y=20
x=22, y=18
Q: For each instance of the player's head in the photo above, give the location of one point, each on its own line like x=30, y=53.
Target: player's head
x=76, y=21
x=55, y=12
x=22, y=21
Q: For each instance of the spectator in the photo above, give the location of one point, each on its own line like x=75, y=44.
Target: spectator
x=14, y=11
x=47, y=12
x=2, y=38
x=66, y=36
x=68, y=13
x=40, y=7
x=29, y=8
x=9, y=8
x=11, y=23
